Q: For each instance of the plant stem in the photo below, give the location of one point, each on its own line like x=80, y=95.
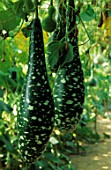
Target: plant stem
x=84, y=27
x=51, y=2
x=36, y=11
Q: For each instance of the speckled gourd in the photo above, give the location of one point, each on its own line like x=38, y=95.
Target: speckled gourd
x=68, y=89
x=36, y=115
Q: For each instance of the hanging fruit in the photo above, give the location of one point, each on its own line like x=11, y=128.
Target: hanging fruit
x=68, y=88
x=36, y=115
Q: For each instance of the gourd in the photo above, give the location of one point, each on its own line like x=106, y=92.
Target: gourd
x=49, y=23
x=36, y=115
x=68, y=91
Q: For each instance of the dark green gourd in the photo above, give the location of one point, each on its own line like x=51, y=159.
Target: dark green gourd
x=68, y=89
x=36, y=115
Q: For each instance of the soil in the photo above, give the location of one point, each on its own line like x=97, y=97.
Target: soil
x=98, y=156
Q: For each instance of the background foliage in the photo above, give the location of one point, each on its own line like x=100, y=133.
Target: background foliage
x=93, y=21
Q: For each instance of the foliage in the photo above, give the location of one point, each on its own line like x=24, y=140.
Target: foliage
x=56, y=48
x=95, y=53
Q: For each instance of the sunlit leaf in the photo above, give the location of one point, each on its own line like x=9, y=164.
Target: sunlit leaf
x=18, y=8
x=53, y=53
x=57, y=53
x=68, y=57
x=88, y=14
x=8, y=20
x=6, y=142
x=107, y=26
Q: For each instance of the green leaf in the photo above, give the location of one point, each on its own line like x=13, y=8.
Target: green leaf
x=8, y=20
x=2, y=6
x=3, y=138
x=2, y=126
x=5, y=107
x=29, y=6
x=6, y=81
x=57, y=52
x=88, y=14
x=109, y=13
x=18, y=8
x=1, y=93
x=64, y=157
x=89, y=11
x=26, y=31
x=53, y=53
x=42, y=164
x=70, y=144
x=51, y=157
x=7, y=3
x=68, y=57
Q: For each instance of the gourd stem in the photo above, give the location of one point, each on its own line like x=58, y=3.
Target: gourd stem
x=36, y=11
x=67, y=22
x=51, y=2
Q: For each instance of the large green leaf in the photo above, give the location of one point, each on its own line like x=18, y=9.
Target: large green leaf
x=68, y=57
x=18, y=8
x=53, y=53
x=8, y=20
x=88, y=14
x=2, y=6
x=29, y=6
x=6, y=140
x=57, y=52
x=6, y=81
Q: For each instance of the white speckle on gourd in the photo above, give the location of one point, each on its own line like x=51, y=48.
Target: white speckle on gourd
x=39, y=119
x=38, y=84
x=27, y=100
x=22, y=144
x=39, y=142
x=25, y=119
x=74, y=94
x=58, y=99
x=33, y=77
x=33, y=117
x=21, y=137
x=63, y=81
x=31, y=107
x=26, y=152
x=46, y=102
x=34, y=148
x=69, y=102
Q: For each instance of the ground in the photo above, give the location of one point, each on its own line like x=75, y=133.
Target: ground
x=98, y=156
